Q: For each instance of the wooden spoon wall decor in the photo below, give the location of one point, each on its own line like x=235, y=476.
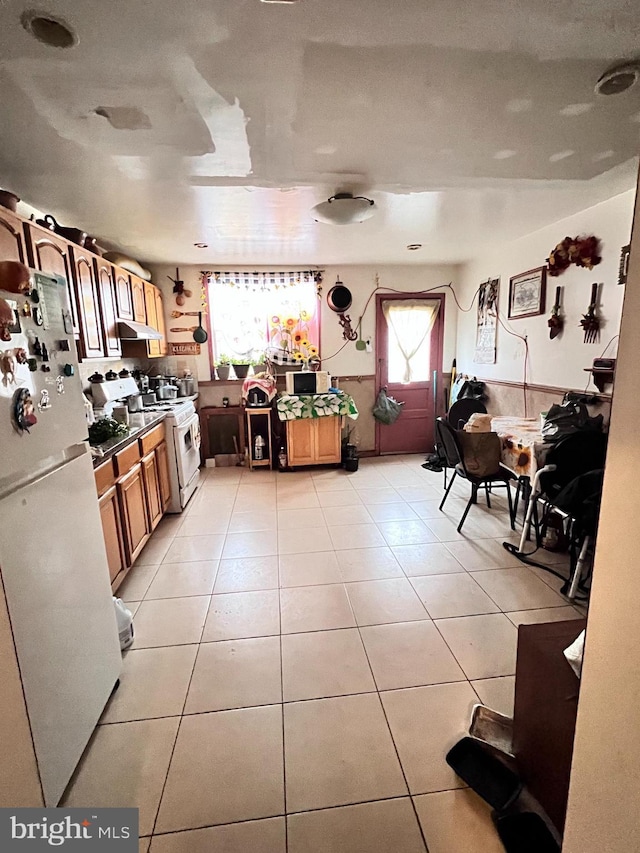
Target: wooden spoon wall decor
x=176, y=314
x=183, y=329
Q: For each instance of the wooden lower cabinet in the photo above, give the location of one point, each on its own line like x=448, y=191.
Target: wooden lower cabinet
x=314, y=441
x=112, y=529
x=133, y=495
x=135, y=518
x=163, y=474
x=151, y=477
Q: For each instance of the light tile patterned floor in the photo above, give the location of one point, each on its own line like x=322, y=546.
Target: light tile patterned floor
x=308, y=647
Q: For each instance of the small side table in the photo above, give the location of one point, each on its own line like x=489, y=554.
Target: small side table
x=259, y=423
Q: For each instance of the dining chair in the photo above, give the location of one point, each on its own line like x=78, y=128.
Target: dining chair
x=455, y=459
x=457, y=416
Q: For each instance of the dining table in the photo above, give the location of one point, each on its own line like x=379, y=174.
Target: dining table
x=522, y=450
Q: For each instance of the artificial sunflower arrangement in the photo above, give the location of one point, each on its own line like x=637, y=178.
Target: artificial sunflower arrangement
x=580, y=251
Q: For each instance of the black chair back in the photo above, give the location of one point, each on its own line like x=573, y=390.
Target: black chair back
x=573, y=456
x=461, y=411
x=449, y=442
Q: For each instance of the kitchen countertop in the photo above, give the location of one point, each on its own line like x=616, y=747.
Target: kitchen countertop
x=139, y=424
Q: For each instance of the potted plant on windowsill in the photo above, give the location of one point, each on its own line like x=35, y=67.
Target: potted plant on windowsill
x=223, y=367
x=259, y=364
x=241, y=368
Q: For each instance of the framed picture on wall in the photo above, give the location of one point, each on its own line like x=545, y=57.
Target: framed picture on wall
x=527, y=293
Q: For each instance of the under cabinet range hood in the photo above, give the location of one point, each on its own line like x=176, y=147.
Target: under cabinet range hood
x=131, y=331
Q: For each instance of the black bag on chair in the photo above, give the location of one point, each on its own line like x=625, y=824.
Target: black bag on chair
x=568, y=417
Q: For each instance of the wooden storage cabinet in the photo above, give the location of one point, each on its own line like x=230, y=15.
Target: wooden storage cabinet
x=12, y=243
x=152, y=488
x=137, y=300
x=135, y=518
x=124, y=299
x=112, y=529
x=314, y=441
x=51, y=254
x=104, y=272
x=133, y=494
x=163, y=474
x=91, y=342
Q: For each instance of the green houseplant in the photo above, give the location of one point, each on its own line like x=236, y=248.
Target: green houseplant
x=241, y=368
x=223, y=366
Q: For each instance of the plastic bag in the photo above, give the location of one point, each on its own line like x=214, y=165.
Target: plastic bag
x=569, y=417
x=386, y=409
x=481, y=451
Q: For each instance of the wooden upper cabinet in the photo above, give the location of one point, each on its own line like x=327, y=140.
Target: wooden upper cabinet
x=106, y=289
x=12, y=245
x=51, y=254
x=152, y=318
x=137, y=300
x=161, y=327
x=124, y=301
x=91, y=343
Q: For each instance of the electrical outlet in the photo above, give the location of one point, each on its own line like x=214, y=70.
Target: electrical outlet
x=369, y=347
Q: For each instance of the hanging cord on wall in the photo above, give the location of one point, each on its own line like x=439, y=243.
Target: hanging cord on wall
x=378, y=287
x=525, y=369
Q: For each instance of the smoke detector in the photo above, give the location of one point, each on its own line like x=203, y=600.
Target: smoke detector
x=343, y=209
x=618, y=79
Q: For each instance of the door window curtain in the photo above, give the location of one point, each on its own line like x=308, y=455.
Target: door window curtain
x=409, y=323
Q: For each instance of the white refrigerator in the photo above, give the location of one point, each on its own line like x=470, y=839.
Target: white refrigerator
x=53, y=563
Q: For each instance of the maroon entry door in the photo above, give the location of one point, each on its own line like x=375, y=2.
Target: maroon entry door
x=413, y=432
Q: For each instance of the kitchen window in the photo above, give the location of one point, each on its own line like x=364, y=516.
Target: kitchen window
x=256, y=313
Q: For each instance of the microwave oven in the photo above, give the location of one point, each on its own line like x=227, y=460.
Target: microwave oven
x=307, y=382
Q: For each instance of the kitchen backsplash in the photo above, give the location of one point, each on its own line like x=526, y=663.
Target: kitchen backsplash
x=172, y=366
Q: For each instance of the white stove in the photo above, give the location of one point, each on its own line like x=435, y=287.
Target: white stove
x=178, y=410
x=183, y=446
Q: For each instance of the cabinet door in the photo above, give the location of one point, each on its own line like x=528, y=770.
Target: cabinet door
x=160, y=321
x=91, y=344
x=300, y=442
x=12, y=245
x=163, y=474
x=152, y=319
x=104, y=275
x=152, y=488
x=137, y=300
x=135, y=521
x=327, y=439
x=124, y=302
x=50, y=254
x=112, y=530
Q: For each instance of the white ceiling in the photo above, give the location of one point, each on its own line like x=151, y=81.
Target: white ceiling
x=466, y=121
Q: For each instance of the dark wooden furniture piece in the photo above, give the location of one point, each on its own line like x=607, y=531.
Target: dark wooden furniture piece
x=218, y=440
x=544, y=719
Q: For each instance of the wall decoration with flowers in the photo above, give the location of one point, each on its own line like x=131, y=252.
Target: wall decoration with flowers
x=581, y=251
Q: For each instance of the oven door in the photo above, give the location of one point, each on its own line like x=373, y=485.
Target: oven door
x=186, y=439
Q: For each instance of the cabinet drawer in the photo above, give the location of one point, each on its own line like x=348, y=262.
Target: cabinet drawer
x=127, y=458
x=152, y=439
x=105, y=476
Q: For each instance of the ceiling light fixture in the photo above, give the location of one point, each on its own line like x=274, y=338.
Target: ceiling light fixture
x=201, y=245
x=48, y=29
x=618, y=79
x=413, y=247
x=343, y=209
